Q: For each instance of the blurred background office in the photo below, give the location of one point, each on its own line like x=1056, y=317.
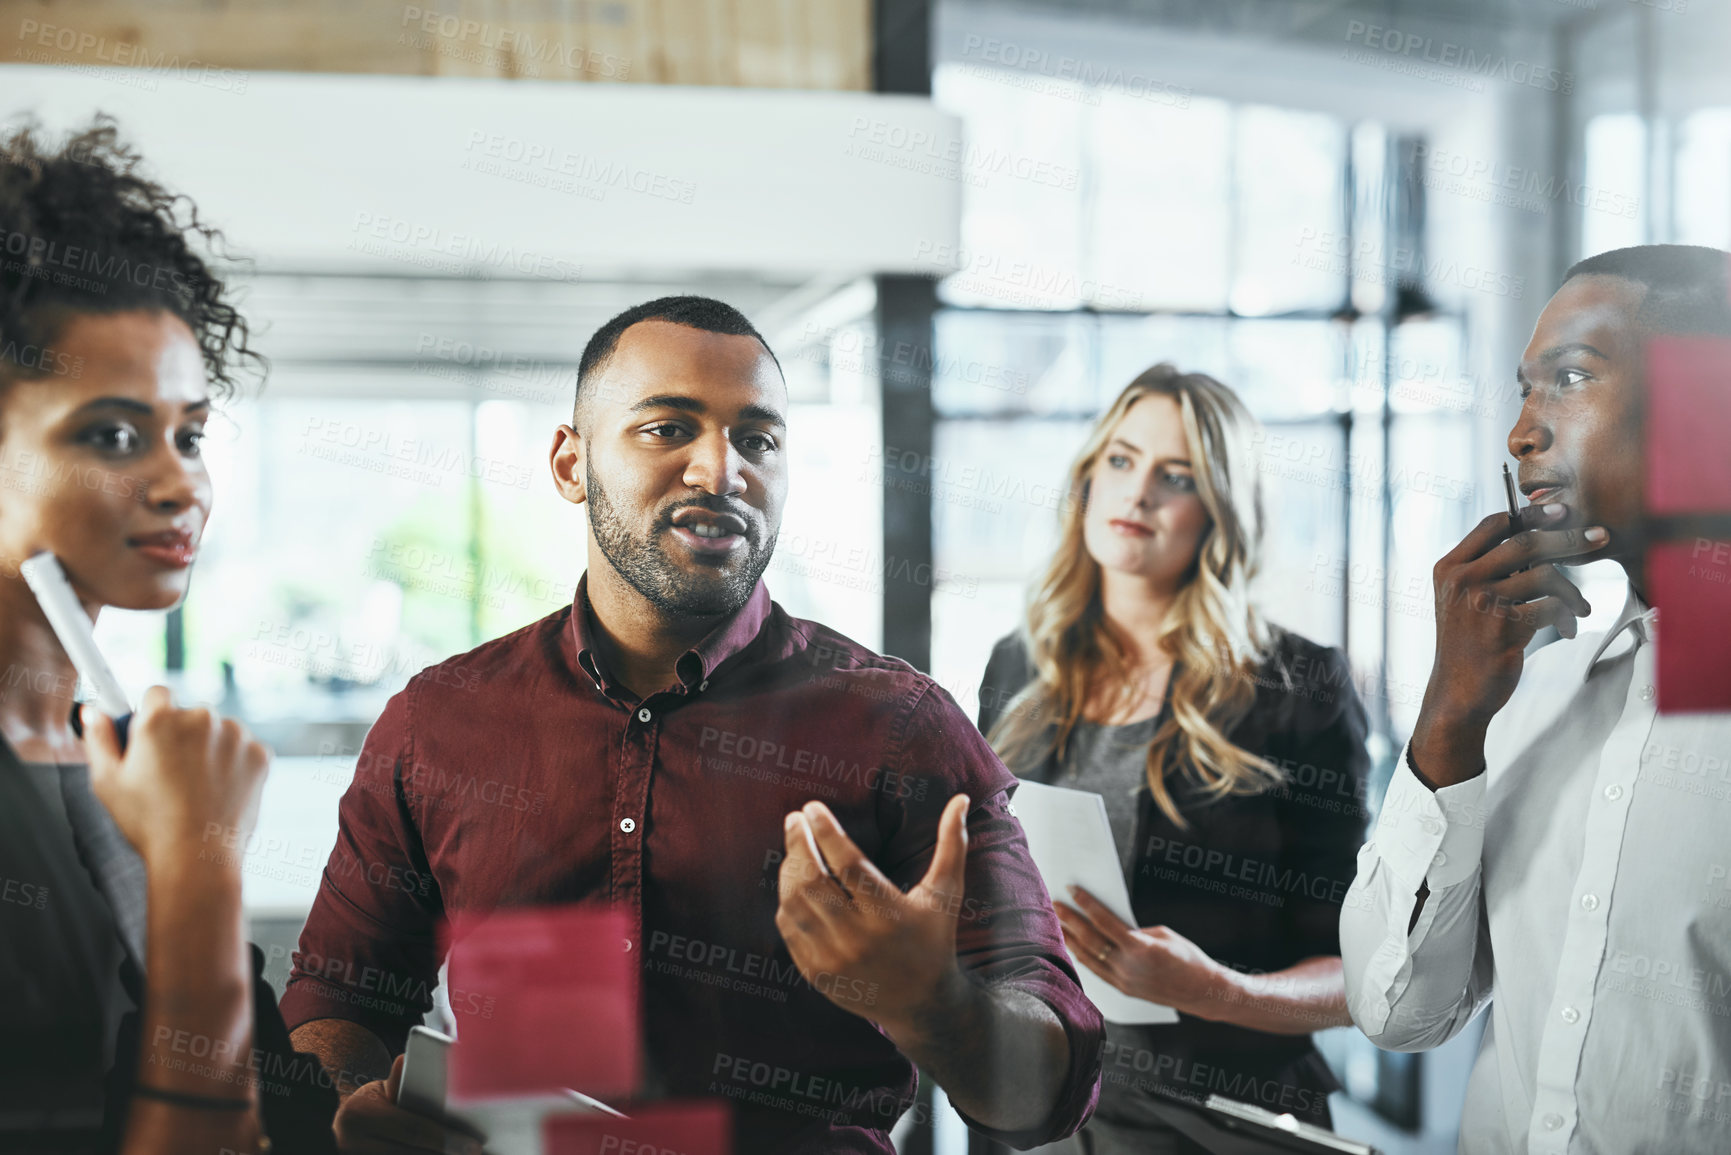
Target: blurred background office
x=962, y=224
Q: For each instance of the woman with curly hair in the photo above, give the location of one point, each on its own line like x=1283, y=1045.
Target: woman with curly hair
x=1230, y=754
x=129, y=1023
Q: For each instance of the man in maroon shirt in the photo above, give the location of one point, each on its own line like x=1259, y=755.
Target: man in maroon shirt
x=660, y=746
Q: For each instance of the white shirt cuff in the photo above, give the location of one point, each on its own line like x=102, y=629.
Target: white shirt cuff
x=1432, y=836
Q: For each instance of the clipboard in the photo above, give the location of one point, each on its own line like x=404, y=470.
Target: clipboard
x=1222, y=1126
x=1071, y=842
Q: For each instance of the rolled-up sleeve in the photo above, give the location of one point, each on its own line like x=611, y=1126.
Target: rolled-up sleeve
x=1007, y=933
x=369, y=950
x=1412, y=990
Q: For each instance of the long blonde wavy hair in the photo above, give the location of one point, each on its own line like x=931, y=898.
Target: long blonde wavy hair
x=1213, y=631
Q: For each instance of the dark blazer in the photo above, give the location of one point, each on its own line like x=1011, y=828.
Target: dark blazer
x=1254, y=880
x=70, y=1027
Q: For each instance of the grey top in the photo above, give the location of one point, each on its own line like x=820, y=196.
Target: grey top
x=1112, y=762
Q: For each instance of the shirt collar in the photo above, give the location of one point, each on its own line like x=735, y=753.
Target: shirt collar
x=697, y=664
x=1636, y=617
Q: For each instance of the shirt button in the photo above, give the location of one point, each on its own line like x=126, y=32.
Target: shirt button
x=1431, y=826
x=643, y=715
x=627, y=946
x=628, y=824
x=1571, y=1015
x=703, y=685
x=1589, y=902
x=1440, y=859
x=1646, y=693
x=1552, y=1122
x=1613, y=792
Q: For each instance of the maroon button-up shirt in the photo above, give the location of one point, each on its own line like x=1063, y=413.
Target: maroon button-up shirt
x=521, y=773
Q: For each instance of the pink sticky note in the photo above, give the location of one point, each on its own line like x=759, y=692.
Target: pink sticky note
x=1690, y=583
x=549, y=1000
x=1688, y=426
x=694, y=1128
x=1688, y=494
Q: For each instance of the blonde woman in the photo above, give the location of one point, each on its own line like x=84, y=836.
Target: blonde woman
x=1230, y=754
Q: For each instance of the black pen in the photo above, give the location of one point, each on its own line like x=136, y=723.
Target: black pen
x=1514, y=506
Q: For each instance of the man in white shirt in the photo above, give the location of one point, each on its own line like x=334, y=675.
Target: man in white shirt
x=1549, y=844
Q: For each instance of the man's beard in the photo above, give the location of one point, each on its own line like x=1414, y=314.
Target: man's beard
x=646, y=567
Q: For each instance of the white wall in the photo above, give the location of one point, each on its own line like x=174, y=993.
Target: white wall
x=563, y=180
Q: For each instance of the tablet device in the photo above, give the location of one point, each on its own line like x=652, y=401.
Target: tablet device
x=424, y=1061
x=1071, y=842
x=1280, y=1132
x=512, y=1126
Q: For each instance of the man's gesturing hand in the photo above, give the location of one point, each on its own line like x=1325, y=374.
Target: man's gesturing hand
x=1493, y=593
x=854, y=935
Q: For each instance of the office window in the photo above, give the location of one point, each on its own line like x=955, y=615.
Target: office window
x=1022, y=164
x=1193, y=221
x=1289, y=187
x=1216, y=237
x=1616, y=157
x=1160, y=209
x=1702, y=180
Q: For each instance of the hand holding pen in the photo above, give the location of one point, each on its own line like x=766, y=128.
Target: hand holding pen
x=189, y=772
x=1494, y=591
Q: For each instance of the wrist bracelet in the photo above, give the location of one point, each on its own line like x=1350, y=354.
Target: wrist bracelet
x=197, y=1102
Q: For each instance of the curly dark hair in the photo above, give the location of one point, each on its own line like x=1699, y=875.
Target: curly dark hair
x=82, y=231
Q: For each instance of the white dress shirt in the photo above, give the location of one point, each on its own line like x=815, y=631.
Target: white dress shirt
x=1581, y=887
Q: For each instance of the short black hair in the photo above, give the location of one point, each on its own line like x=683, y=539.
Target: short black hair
x=706, y=313
x=83, y=231
x=1688, y=286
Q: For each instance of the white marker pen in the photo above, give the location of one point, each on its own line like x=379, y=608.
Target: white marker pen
x=75, y=630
